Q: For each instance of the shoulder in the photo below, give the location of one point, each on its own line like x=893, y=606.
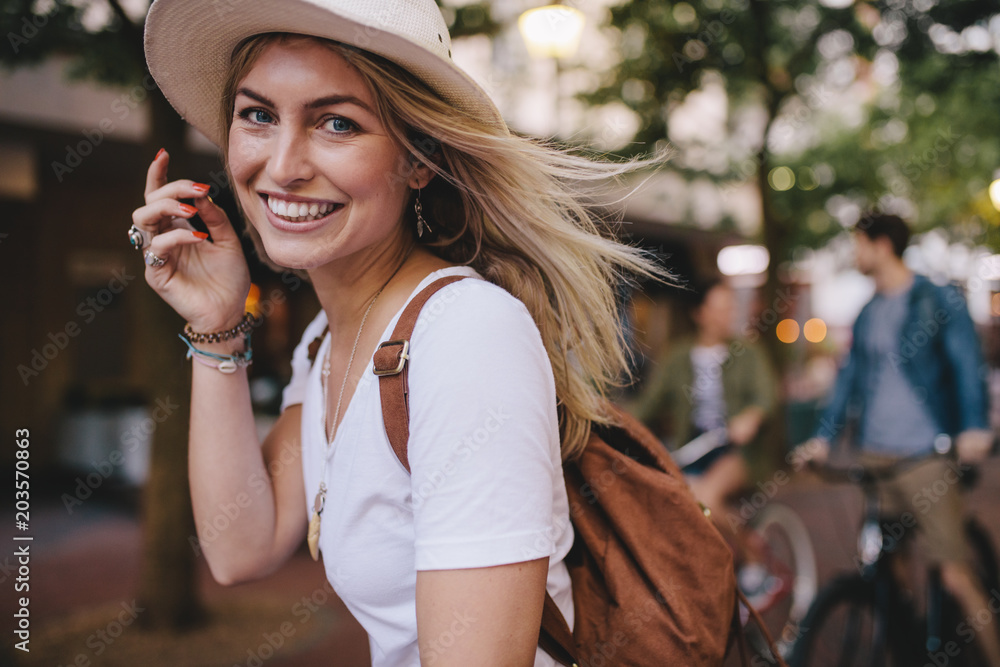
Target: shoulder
x=946, y=297
x=679, y=352
x=302, y=360
x=473, y=335
x=472, y=311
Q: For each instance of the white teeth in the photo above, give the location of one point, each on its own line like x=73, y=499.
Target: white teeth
x=298, y=211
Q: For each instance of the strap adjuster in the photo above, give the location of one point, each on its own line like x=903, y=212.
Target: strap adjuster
x=402, y=357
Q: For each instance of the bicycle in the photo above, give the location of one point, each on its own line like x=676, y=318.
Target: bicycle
x=780, y=540
x=866, y=618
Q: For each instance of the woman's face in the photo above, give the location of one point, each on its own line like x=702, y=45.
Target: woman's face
x=317, y=174
x=715, y=315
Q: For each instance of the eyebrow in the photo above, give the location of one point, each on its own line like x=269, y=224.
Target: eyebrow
x=329, y=100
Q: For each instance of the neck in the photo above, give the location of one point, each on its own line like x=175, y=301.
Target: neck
x=892, y=276
x=709, y=338
x=347, y=286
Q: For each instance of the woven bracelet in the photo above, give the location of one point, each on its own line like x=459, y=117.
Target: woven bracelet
x=246, y=324
x=227, y=364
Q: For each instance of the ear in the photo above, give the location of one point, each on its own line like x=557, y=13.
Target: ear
x=421, y=174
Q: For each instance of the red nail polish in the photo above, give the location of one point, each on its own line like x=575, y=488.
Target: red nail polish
x=187, y=208
x=200, y=235
x=200, y=187
x=159, y=153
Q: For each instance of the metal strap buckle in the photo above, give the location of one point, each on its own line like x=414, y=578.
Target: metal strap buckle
x=402, y=357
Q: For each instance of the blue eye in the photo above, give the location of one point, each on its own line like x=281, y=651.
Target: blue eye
x=256, y=115
x=340, y=125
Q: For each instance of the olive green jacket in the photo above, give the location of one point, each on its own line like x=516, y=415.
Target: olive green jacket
x=666, y=403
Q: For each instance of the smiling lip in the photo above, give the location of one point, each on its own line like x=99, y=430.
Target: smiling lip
x=297, y=214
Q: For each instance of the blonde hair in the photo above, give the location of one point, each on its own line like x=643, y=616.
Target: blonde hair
x=514, y=210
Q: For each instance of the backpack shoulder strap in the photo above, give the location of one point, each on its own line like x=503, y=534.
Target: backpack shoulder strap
x=389, y=364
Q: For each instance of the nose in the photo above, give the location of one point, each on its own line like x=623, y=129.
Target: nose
x=289, y=161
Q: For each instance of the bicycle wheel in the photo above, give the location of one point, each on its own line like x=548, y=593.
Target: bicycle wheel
x=789, y=557
x=842, y=629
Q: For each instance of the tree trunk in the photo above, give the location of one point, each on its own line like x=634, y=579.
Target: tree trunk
x=168, y=587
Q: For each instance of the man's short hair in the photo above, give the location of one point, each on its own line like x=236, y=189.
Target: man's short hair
x=885, y=225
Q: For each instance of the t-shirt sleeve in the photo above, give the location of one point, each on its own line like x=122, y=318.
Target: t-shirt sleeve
x=295, y=392
x=486, y=472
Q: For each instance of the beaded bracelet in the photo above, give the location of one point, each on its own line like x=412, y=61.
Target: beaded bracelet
x=246, y=324
x=225, y=364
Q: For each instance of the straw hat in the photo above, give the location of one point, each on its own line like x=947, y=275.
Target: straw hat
x=189, y=44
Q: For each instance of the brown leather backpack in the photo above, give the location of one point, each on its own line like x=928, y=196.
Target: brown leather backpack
x=653, y=580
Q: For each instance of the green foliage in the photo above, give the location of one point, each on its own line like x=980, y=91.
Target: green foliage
x=928, y=138
x=111, y=55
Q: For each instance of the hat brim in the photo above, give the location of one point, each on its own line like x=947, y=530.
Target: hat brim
x=189, y=45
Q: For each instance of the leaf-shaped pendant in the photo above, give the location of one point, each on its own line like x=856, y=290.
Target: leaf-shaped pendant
x=312, y=537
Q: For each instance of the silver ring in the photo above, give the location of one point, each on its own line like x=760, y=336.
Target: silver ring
x=138, y=238
x=153, y=260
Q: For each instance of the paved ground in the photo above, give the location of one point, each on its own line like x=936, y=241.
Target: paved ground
x=85, y=567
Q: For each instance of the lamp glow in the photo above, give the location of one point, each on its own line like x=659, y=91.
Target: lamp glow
x=995, y=194
x=552, y=31
x=743, y=260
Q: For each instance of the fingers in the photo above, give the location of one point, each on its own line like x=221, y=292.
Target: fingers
x=157, y=216
x=165, y=247
x=156, y=175
x=214, y=217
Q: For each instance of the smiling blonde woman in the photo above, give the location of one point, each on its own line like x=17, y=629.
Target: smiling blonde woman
x=363, y=158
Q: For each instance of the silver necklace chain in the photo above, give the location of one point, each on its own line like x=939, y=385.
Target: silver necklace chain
x=332, y=429
x=312, y=535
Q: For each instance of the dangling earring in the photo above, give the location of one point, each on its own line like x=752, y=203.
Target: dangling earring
x=421, y=223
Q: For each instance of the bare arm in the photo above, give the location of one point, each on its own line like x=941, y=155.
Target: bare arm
x=249, y=500
x=249, y=504
x=481, y=616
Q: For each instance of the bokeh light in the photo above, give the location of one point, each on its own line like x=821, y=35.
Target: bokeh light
x=787, y=331
x=781, y=179
x=743, y=260
x=552, y=31
x=814, y=330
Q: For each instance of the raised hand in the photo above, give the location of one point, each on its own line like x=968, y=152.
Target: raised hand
x=205, y=281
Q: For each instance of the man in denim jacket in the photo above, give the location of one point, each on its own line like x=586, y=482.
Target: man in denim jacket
x=914, y=380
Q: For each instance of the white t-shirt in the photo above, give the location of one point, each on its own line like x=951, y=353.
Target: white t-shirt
x=486, y=487
x=707, y=393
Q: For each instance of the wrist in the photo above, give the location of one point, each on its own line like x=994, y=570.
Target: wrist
x=233, y=328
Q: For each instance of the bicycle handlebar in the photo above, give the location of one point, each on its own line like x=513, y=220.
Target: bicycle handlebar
x=691, y=451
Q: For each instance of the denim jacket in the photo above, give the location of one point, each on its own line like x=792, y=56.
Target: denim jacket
x=939, y=353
